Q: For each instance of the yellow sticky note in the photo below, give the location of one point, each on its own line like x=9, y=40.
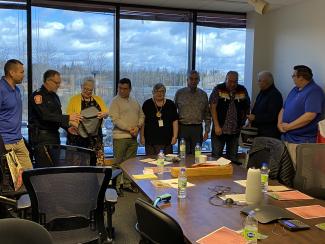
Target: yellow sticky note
x=145, y=177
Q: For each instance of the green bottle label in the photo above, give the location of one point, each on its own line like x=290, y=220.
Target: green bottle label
x=250, y=235
x=264, y=178
x=182, y=148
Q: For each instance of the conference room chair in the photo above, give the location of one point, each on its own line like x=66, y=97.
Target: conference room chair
x=67, y=155
x=155, y=226
x=310, y=169
x=69, y=201
x=275, y=153
x=17, y=231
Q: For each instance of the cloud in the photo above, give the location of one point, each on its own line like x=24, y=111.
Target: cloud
x=100, y=30
x=76, y=25
x=79, y=45
x=230, y=49
x=50, y=29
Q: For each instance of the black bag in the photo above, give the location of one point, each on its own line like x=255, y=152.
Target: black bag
x=247, y=135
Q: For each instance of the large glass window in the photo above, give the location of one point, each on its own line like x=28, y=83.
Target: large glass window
x=13, y=46
x=78, y=45
x=219, y=50
x=153, y=52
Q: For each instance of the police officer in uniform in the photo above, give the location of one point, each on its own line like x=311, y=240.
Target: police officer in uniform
x=45, y=117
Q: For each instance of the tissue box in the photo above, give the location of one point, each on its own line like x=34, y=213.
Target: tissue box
x=204, y=171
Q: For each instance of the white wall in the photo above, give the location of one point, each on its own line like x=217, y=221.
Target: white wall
x=287, y=37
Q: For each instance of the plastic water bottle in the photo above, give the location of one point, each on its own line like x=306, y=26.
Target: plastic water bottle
x=197, y=152
x=182, y=148
x=251, y=228
x=182, y=182
x=265, y=177
x=160, y=162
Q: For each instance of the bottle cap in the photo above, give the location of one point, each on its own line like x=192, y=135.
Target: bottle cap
x=182, y=169
x=265, y=164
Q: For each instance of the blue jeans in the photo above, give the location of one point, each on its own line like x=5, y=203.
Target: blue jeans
x=219, y=142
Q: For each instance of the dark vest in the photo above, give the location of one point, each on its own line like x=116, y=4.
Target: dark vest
x=241, y=101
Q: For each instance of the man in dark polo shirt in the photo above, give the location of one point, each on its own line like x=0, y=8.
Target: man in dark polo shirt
x=11, y=111
x=302, y=110
x=45, y=117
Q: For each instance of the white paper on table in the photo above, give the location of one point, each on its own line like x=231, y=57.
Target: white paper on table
x=278, y=188
x=173, y=183
x=221, y=161
x=270, y=188
x=172, y=155
x=235, y=197
x=241, y=182
x=147, y=160
x=154, y=162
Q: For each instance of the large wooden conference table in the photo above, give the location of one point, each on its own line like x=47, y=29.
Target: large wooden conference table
x=197, y=217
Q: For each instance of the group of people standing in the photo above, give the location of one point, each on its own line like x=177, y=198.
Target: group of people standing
x=160, y=121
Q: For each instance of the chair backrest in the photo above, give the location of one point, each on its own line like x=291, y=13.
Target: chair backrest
x=65, y=198
x=65, y=155
x=310, y=169
x=274, y=152
x=156, y=226
x=17, y=231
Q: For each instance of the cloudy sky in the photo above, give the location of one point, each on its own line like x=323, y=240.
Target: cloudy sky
x=84, y=38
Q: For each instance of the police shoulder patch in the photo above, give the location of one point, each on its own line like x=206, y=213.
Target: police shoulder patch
x=38, y=99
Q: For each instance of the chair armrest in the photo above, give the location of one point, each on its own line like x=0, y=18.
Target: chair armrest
x=9, y=201
x=111, y=196
x=23, y=202
x=116, y=173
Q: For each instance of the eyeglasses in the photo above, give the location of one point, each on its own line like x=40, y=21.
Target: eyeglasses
x=87, y=90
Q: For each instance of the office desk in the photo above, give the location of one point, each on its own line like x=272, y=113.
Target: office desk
x=197, y=217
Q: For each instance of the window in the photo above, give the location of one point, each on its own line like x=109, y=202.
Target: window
x=78, y=45
x=13, y=46
x=154, y=52
x=219, y=50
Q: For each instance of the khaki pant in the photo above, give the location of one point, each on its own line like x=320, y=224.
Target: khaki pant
x=123, y=149
x=292, y=149
x=21, y=152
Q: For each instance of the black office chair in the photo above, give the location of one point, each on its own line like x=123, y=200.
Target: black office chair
x=310, y=170
x=66, y=155
x=155, y=226
x=17, y=231
x=274, y=152
x=69, y=201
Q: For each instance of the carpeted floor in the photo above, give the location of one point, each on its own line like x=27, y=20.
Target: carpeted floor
x=124, y=219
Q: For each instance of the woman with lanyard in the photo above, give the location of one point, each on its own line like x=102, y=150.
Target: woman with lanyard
x=83, y=101
x=160, y=129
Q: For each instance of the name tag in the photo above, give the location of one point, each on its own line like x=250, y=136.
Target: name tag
x=160, y=123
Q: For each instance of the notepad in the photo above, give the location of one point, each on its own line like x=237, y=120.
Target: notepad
x=289, y=195
x=309, y=212
x=223, y=235
x=170, y=183
x=235, y=197
x=270, y=188
x=145, y=177
x=147, y=160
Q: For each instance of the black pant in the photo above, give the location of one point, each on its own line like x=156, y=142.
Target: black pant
x=38, y=140
x=192, y=135
x=155, y=149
